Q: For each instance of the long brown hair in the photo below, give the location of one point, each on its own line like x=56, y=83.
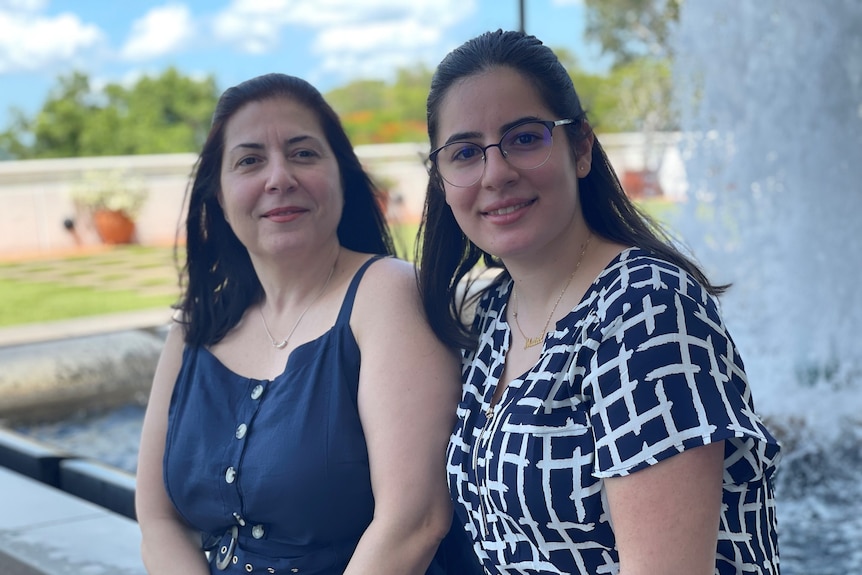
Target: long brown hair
x=221, y=281
x=446, y=255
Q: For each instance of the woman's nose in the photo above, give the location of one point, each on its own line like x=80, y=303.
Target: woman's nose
x=498, y=171
x=280, y=177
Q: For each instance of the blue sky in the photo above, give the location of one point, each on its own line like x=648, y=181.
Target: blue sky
x=328, y=42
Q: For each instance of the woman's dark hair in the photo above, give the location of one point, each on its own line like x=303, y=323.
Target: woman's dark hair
x=220, y=281
x=446, y=255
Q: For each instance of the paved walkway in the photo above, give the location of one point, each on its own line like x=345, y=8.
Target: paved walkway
x=44, y=531
x=90, y=325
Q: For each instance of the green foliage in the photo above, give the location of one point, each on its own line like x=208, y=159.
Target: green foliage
x=171, y=113
x=164, y=114
x=637, y=94
x=631, y=97
x=630, y=29
x=643, y=90
x=375, y=112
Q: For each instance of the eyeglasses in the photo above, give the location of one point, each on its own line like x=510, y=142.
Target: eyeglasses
x=525, y=146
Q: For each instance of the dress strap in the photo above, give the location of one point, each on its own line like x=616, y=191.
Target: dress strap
x=350, y=296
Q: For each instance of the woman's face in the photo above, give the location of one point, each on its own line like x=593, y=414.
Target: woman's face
x=509, y=212
x=281, y=188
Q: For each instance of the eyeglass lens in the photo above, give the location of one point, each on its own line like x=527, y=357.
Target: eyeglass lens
x=525, y=146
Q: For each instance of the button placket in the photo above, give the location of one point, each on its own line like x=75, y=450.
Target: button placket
x=246, y=412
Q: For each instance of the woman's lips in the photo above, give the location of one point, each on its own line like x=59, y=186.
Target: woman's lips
x=506, y=210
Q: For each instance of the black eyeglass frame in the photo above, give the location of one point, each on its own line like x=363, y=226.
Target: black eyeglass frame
x=549, y=125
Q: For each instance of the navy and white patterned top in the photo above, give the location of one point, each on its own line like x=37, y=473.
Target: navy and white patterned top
x=642, y=369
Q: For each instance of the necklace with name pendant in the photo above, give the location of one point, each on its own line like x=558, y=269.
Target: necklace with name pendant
x=534, y=341
x=283, y=343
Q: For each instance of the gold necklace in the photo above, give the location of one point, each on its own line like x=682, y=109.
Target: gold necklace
x=283, y=343
x=534, y=341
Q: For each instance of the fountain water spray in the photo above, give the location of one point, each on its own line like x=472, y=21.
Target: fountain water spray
x=770, y=95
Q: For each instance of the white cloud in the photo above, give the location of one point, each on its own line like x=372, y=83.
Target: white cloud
x=161, y=31
x=30, y=41
x=370, y=37
x=369, y=49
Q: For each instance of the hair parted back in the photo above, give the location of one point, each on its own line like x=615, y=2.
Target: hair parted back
x=218, y=280
x=446, y=255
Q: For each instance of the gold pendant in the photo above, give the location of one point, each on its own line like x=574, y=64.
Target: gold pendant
x=533, y=341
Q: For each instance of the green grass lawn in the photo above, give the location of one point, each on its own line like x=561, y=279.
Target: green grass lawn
x=127, y=278
x=124, y=278
x=29, y=302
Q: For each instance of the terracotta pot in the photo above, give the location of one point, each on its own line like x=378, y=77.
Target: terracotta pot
x=114, y=227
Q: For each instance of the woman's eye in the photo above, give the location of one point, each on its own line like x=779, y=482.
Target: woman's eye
x=305, y=154
x=524, y=139
x=247, y=161
x=465, y=152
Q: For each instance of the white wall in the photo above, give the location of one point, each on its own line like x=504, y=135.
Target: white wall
x=34, y=194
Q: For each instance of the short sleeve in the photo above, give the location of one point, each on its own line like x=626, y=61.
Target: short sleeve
x=666, y=377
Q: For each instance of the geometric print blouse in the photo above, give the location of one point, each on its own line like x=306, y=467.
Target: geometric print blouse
x=641, y=370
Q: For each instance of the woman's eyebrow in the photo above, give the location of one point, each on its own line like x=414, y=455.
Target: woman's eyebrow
x=457, y=137
x=259, y=146
x=462, y=136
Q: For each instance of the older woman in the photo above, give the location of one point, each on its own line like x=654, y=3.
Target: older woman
x=300, y=410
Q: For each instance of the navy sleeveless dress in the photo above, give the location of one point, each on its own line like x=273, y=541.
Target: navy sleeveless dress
x=273, y=473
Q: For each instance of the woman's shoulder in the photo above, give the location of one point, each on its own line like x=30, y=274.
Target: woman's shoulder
x=383, y=284
x=638, y=272
x=388, y=311
x=384, y=272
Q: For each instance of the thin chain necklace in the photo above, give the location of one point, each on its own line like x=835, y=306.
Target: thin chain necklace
x=283, y=343
x=534, y=341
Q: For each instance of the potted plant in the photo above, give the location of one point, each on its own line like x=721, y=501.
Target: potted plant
x=113, y=199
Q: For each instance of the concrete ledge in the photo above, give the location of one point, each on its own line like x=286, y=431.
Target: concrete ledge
x=103, y=485
x=30, y=458
x=51, y=380
x=63, y=514
x=84, y=326
x=93, y=481
x=44, y=531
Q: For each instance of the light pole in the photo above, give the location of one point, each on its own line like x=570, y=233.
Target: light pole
x=521, y=21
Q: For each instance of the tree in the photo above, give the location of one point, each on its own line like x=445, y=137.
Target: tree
x=374, y=111
x=629, y=29
x=164, y=114
x=59, y=127
x=598, y=94
x=636, y=33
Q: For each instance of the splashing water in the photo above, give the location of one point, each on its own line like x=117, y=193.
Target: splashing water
x=770, y=95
